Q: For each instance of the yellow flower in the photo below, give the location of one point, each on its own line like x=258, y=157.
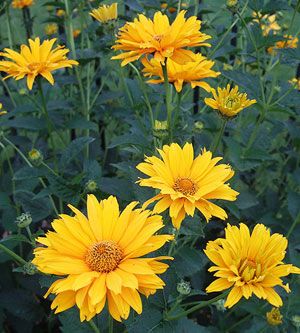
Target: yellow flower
x=76, y=33
x=228, y=101
x=164, y=5
x=267, y=23
x=2, y=112
x=186, y=184
x=37, y=59
x=274, y=317
x=60, y=13
x=21, y=3
x=159, y=37
x=296, y=82
x=250, y=264
x=105, y=13
x=99, y=258
x=51, y=29
x=289, y=42
x=193, y=71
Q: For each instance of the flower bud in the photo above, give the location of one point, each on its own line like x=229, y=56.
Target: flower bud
x=231, y=3
x=198, y=126
x=91, y=186
x=274, y=317
x=160, y=129
x=220, y=305
x=24, y=220
x=184, y=287
x=35, y=156
x=29, y=268
x=296, y=321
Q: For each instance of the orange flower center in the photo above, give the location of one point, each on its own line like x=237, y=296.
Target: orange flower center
x=104, y=257
x=185, y=186
x=37, y=66
x=158, y=38
x=249, y=270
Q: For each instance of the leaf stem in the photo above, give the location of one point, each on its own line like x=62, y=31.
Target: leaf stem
x=13, y=255
x=219, y=137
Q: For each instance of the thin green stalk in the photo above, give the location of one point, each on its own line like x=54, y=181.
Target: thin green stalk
x=293, y=226
x=179, y=99
x=283, y=96
x=125, y=86
x=198, y=307
x=168, y=100
x=44, y=107
x=13, y=255
x=9, y=93
x=239, y=322
x=110, y=324
x=174, y=241
x=178, y=6
x=219, y=137
x=93, y=326
x=50, y=169
x=8, y=23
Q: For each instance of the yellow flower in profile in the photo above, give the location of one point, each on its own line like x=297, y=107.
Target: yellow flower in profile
x=249, y=264
x=21, y=3
x=60, y=13
x=76, y=33
x=105, y=13
x=267, y=23
x=2, y=112
x=274, y=317
x=186, y=184
x=51, y=29
x=99, y=258
x=160, y=38
x=192, y=72
x=289, y=42
x=36, y=60
x=228, y=101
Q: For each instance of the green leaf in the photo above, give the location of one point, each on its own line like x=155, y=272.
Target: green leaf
x=70, y=322
x=30, y=123
x=294, y=204
x=246, y=200
x=29, y=173
x=74, y=149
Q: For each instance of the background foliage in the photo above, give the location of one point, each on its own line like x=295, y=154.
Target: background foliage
x=102, y=135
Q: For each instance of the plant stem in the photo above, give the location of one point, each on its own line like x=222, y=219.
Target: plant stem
x=178, y=6
x=8, y=21
x=110, y=324
x=13, y=255
x=219, y=137
x=198, y=306
x=168, y=99
x=171, y=250
x=93, y=326
x=44, y=107
x=297, y=220
x=179, y=99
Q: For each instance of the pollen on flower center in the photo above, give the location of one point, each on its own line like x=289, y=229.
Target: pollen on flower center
x=249, y=270
x=37, y=66
x=158, y=38
x=185, y=186
x=231, y=103
x=104, y=256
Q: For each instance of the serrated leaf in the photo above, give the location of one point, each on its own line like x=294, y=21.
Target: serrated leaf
x=74, y=149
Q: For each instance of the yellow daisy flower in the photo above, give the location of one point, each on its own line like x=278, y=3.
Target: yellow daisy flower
x=21, y=3
x=60, y=13
x=37, y=59
x=229, y=101
x=2, y=112
x=160, y=38
x=186, y=184
x=289, y=42
x=249, y=264
x=194, y=71
x=105, y=13
x=274, y=317
x=267, y=23
x=51, y=29
x=99, y=258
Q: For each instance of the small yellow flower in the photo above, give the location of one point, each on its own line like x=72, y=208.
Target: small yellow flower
x=21, y=3
x=274, y=317
x=105, y=13
x=35, y=156
x=231, y=3
x=76, y=33
x=186, y=184
x=2, y=112
x=289, y=42
x=51, y=29
x=267, y=23
x=249, y=264
x=193, y=71
x=100, y=258
x=164, y=5
x=229, y=101
x=36, y=60
x=296, y=82
x=60, y=13
x=158, y=37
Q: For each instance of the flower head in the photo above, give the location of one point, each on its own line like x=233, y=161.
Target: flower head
x=185, y=183
x=229, y=101
x=76, y=33
x=267, y=23
x=249, y=264
x=274, y=317
x=193, y=71
x=51, y=29
x=160, y=38
x=296, y=82
x=36, y=60
x=99, y=258
x=2, y=112
x=21, y=3
x=289, y=42
x=60, y=13
x=105, y=13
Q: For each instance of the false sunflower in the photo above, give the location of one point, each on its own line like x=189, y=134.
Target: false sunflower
x=249, y=264
x=105, y=13
x=158, y=37
x=99, y=258
x=36, y=60
x=194, y=71
x=186, y=184
x=228, y=101
x=21, y=3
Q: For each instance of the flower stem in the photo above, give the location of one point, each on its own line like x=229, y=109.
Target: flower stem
x=178, y=6
x=93, y=326
x=198, y=306
x=219, y=137
x=110, y=324
x=44, y=107
x=13, y=255
x=8, y=20
x=168, y=100
x=297, y=220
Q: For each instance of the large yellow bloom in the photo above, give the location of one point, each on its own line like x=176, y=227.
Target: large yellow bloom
x=229, y=101
x=99, y=258
x=22, y=3
x=186, y=184
x=159, y=37
x=105, y=13
x=194, y=71
x=37, y=59
x=250, y=264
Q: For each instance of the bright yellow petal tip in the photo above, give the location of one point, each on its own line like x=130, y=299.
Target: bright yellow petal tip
x=19, y=4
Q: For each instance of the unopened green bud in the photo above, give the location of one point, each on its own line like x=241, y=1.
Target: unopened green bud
x=22, y=91
x=35, y=156
x=199, y=126
x=296, y=321
x=29, y=268
x=91, y=186
x=24, y=220
x=220, y=305
x=231, y=3
x=184, y=287
x=160, y=129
